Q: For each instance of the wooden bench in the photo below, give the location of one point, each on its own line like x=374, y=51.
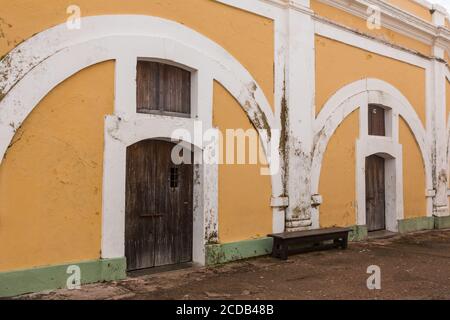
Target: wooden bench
x=283, y=241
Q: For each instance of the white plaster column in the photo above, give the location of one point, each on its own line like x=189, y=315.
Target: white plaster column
x=438, y=122
x=297, y=110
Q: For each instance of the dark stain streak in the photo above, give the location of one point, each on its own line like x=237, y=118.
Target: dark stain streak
x=8, y=61
x=13, y=143
x=284, y=136
x=259, y=120
x=368, y=36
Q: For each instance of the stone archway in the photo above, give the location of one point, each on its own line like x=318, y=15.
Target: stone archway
x=359, y=95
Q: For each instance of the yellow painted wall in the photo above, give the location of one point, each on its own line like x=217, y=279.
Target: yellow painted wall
x=337, y=179
x=414, y=200
x=413, y=8
x=244, y=194
x=338, y=64
x=51, y=178
x=55, y=164
x=360, y=25
x=246, y=36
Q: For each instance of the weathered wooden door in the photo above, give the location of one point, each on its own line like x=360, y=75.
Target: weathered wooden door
x=159, y=217
x=375, y=193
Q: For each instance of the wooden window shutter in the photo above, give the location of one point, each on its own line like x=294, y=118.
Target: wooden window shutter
x=377, y=125
x=163, y=89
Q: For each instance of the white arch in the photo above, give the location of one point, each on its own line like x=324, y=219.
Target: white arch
x=41, y=63
x=352, y=97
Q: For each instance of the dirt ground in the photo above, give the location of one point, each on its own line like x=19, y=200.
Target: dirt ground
x=414, y=266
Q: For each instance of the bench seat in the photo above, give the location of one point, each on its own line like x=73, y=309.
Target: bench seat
x=283, y=242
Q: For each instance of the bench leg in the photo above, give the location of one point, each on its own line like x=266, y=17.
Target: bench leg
x=345, y=243
x=275, y=248
x=341, y=243
x=280, y=249
x=337, y=243
x=284, y=251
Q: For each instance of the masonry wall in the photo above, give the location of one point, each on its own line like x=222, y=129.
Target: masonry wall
x=51, y=178
x=338, y=176
x=246, y=36
x=360, y=25
x=413, y=7
x=244, y=194
x=337, y=65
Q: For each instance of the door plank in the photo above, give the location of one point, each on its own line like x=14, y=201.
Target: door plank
x=163, y=88
x=159, y=218
x=375, y=193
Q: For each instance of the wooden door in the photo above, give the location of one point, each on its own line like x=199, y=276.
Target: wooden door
x=159, y=217
x=375, y=193
x=377, y=125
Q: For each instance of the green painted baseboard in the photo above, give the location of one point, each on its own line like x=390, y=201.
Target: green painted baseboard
x=359, y=233
x=222, y=253
x=407, y=225
x=415, y=224
x=442, y=222
x=55, y=277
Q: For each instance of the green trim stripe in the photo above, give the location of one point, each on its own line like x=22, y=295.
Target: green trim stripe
x=227, y=252
x=222, y=253
x=442, y=222
x=359, y=233
x=415, y=224
x=55, y=277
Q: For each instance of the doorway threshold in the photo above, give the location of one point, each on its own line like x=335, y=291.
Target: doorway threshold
x=162, y=269
x=381, y=234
